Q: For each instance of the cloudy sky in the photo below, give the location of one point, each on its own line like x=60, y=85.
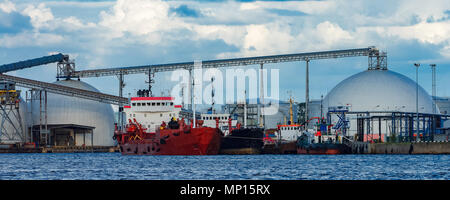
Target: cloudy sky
x=104, y=34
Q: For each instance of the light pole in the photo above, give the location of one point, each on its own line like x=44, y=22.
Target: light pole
x=433, y=69
x=417, y=100
x=433, y=85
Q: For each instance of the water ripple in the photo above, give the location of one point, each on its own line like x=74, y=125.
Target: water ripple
x=113, y=166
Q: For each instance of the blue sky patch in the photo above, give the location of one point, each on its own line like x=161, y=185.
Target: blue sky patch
x=185, y=11
x=13, y=22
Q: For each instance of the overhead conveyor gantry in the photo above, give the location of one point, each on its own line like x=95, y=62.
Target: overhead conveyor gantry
x=370, y=51
x=376, y=60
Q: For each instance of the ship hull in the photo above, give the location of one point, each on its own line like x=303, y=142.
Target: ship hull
x=283, y=148
x=322, y=148
x=243, y=141
x=195, y=141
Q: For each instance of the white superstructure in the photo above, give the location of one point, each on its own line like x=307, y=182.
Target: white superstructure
x=150, y=112
x=209, y=120
x=289, y=132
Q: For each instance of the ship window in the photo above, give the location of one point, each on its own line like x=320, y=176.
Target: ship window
x=171, y=103
x=134, y=115
x=134, y=104
x=153, y=104
x=163, y=104
x=160, y=115
x=138, y=104
x=148, y=104
x=158, y=104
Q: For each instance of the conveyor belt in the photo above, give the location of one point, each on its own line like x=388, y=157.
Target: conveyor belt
x=64, y=90
x=371, y=51
x=32, y=62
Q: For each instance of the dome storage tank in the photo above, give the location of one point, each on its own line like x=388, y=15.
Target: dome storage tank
x=377, y=91
x=71, y=120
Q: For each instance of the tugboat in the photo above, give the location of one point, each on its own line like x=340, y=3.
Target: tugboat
x=320, y=142
x=304, y=146
x=152, y=136
x=283, y=140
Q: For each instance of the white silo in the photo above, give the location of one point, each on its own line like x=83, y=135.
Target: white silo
x=69, y=118
x=377, y=90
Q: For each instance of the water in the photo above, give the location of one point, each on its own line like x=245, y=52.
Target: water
x=113, y=166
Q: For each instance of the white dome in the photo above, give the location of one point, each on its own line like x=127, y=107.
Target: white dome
x=379, y=90
x=73, y=110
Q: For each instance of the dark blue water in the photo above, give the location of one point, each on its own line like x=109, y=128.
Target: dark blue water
x=106, y=166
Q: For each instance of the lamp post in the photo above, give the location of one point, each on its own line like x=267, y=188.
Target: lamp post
x=433, y=69
x=417, y=100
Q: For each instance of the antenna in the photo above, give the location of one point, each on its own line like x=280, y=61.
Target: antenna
x=212, y=95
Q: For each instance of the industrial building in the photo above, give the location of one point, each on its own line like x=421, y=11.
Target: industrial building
x=378, y=104
x=72, y=121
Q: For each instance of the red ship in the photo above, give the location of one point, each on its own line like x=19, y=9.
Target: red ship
x=147, y=134
x=175, y=139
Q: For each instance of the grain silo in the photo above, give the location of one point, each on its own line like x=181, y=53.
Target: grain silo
x=72, y=120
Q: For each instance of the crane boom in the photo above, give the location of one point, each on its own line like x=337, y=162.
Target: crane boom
x=33, y=62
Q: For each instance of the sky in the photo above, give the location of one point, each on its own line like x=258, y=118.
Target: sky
x=105, y=34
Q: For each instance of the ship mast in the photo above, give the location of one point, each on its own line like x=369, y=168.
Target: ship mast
x=291, y=115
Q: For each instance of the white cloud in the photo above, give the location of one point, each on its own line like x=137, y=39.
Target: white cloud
x=330, y=34
x=7, y=7
x=28, y=39
x=308, y=7
x=432, y=33
x=141, y=18
x=251, y=27
x=232, y=35
x=267, y=39
x=40, y=15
